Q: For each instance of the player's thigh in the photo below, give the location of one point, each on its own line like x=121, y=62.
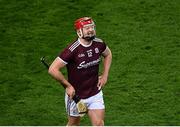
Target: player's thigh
x=96, y=116
x=73, y=121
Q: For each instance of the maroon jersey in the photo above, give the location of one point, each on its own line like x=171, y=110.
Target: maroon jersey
x=83, y=66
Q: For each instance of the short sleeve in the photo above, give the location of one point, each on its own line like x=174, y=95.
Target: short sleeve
x=103, y=47
x=101, y=44
x=66, y=55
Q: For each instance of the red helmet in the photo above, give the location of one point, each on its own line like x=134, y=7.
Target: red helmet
x=81, y=22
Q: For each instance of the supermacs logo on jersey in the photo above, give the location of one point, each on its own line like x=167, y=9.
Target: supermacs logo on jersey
x=89, y=64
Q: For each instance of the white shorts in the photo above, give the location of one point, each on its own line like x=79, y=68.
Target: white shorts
x=94, y=102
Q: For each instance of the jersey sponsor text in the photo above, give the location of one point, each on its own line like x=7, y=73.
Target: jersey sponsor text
x=86, y=65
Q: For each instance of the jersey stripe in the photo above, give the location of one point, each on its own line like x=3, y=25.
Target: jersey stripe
x=73, y=46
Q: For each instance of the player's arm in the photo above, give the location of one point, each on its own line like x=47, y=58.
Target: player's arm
x=106, y=67
x=54, y=71
x=107, y=61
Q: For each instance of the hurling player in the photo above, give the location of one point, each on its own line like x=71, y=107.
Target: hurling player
x=82, y=58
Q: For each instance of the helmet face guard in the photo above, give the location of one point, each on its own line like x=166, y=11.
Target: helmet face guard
x=80, y=24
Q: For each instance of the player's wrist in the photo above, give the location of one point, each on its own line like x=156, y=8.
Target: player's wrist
x=104, y=75
x=66, y=84
x=69, y=86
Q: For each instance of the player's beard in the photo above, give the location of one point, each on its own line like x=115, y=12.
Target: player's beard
x=89, y=37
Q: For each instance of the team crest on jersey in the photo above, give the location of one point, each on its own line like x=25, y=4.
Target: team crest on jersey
x=96, y=50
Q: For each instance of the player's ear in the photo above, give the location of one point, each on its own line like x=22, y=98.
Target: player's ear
x=79, y=33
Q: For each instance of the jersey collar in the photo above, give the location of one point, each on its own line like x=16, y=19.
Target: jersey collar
x=84, y=44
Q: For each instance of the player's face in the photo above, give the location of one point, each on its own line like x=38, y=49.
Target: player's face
x=89, y=32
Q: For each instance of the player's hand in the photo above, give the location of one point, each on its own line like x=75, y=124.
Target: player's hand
x=101, y=82
x=70, y=91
